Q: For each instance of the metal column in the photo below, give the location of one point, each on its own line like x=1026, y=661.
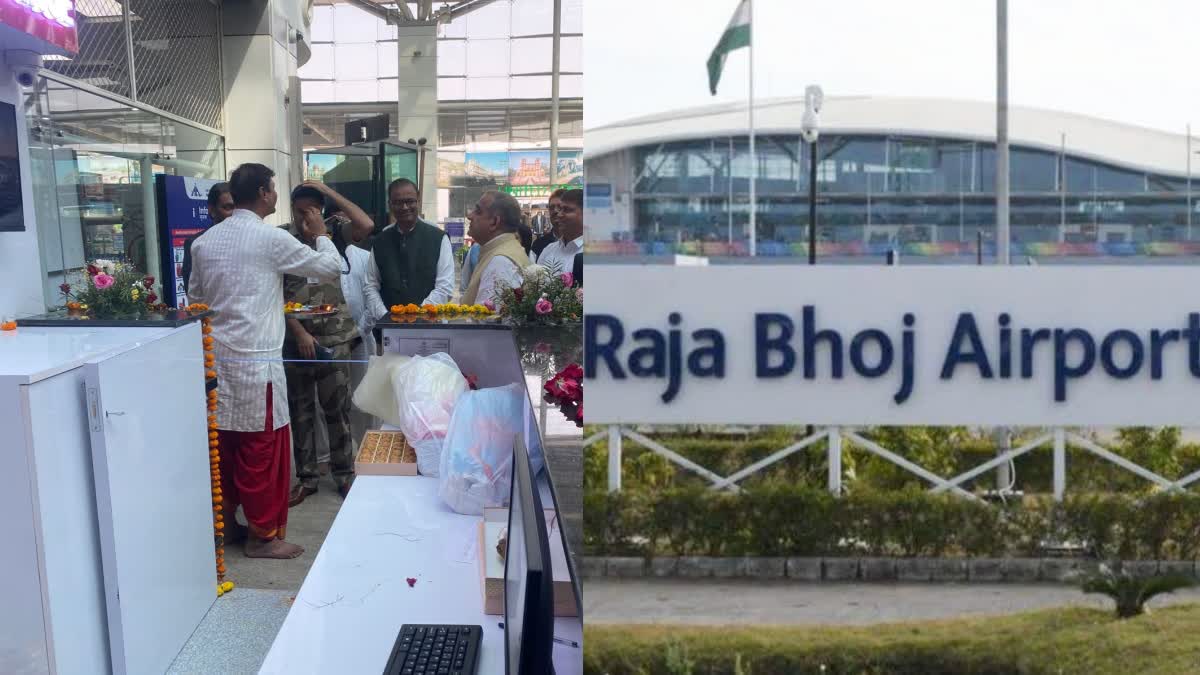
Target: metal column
x=614, y=459
x=554, y=93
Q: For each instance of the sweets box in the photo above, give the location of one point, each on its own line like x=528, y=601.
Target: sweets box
x=385, y=453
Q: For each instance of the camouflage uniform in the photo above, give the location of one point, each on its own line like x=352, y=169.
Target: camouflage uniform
x=331, y=381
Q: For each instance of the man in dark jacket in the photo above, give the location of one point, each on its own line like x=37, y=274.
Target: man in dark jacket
x=411, y=261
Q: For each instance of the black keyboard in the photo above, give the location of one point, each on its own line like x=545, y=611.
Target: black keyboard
x=438, y=649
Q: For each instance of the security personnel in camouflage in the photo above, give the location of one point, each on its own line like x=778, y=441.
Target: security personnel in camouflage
x=331, y=339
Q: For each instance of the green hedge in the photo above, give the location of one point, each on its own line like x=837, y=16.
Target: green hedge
x=803, y=521
x=944, y=450
x=1059, y=642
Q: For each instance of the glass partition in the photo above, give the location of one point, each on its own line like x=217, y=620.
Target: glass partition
x=93, y=162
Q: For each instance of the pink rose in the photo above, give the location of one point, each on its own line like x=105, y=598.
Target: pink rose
x=567, y=278
x=490, y=305
x=102, y=281
x=573, y=371
x=579, y=293
x=543, y=306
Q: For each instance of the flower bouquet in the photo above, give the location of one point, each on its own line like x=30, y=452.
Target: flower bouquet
x=111, y=289
x=543, y=298
x=566, y=390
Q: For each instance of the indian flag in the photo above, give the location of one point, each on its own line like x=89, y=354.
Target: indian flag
x=736, y=36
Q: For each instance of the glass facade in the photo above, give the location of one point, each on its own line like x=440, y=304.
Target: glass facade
x=500, y=51
x=93, y=160
x=928, y=195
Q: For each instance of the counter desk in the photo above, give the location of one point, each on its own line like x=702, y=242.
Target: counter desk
x=397, y=554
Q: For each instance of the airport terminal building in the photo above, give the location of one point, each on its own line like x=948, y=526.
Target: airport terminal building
x=915, y=176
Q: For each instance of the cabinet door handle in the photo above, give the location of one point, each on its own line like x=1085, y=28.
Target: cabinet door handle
x=113, y=414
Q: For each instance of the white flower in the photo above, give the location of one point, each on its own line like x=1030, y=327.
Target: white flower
x=534, y=271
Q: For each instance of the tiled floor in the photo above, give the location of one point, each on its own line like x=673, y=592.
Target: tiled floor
x=237, y=633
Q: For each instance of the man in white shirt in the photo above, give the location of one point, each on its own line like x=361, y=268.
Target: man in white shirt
x=559, y=257
x=494, y=223
x=411, y=262
x=238, y=271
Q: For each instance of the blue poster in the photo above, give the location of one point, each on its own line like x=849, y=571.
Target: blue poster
x=182, y=213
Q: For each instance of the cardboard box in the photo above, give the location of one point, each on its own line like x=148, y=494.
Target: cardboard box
x=385, y=453
x=491, y=565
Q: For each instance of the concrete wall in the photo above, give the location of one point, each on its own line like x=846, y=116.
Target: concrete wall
x=416, y=112
x=616, y=170
x=262, y=112
x=21, y=288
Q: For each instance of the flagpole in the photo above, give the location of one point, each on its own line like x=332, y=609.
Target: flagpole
x=753, y=156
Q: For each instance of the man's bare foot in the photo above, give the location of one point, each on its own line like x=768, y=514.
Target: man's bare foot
x=276, y=548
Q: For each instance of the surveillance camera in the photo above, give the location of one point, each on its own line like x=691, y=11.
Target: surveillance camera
x=24, y=65
x=25, y=76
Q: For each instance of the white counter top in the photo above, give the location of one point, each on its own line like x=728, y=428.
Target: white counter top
x=356, y=596
x=28, y=355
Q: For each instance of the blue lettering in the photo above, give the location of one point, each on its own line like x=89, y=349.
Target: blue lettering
x=1159, y=340
x=594, y=350
x=966, y=331
x=885, y=353
x=715, y=352
x=1137, y=354
x=765, y=345
x=1062, y=370
x=811, y=337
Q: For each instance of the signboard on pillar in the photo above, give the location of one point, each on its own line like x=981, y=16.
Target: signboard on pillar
x=182, y=214
x=856, y=345
x=50, y=21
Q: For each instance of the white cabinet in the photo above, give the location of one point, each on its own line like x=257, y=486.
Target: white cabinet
x=105, y=493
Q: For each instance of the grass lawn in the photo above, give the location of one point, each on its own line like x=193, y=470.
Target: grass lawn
x=1066, y=641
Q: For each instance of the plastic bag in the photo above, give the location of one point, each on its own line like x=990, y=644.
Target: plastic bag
x=375, y=394
x=426, y=390
x=476, y=467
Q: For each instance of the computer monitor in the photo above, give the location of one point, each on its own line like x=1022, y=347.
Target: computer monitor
x=528, y=577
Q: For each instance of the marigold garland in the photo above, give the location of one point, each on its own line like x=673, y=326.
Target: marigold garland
x=214, y=452
x=433, y=310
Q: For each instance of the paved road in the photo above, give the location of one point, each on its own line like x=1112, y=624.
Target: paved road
x=713, y=602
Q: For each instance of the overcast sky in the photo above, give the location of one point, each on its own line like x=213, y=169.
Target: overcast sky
x=1126, y=60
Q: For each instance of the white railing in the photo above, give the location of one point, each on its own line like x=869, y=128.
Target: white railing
x=839, y=436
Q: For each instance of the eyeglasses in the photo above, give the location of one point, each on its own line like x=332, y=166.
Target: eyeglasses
x=405, y=202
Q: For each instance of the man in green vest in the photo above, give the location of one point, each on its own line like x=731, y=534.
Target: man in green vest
x=411, y=262
x=494, y=224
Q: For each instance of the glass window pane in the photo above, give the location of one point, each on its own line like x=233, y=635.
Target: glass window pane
x=489, y=21
x=452, y=57
x=487, y=57
x=570, y=57
x=322, y=23
x=316, y=92
x=487, y=87
x=570, y=86
x=572, y=16
x=452, y=88
x=531, y=86
x=357, y=91
x=532, y=55
x=356, y=61
x=455, y=29
x=353, y=25
x=320, y=66
x=532, y=17
x=388, y=56
x=386, y=31
x=389, y=90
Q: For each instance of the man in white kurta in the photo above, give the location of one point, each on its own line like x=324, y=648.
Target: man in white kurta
x=238, y=272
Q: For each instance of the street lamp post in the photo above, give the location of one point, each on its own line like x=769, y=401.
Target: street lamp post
x=814, y=98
